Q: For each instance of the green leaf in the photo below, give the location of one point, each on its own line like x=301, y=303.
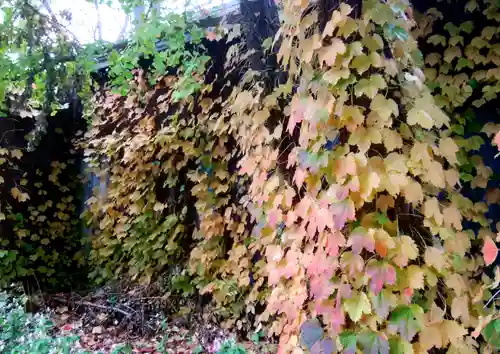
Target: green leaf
x=451, y=28
x=467, y=26
x=373, y=343
x=491, y=333
x=457, y=129
x=436, y=39
x=466, y=177
x=381, y=218
x=408, y=320
x=400, y=346
x=348, y=340
x=382, y=303
x=464, y=63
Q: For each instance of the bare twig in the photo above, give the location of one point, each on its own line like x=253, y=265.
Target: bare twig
x=123, y=31
x=102, y=307
x=51, y=18
x=492, y=298
x=99, y=23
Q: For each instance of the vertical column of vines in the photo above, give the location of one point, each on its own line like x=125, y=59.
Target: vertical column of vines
x=368, y=148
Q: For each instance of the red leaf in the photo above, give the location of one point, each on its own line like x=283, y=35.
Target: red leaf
x=496, y=140
x=360, y=239
x=67, y=327
x=380, y=273
x=299, y=177
x=490, y=251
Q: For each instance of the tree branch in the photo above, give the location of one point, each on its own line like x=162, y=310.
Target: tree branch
x=99, y=23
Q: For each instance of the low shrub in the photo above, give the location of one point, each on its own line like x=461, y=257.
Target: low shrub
x=22, y=332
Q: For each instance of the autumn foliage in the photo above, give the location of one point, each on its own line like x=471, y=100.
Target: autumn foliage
x=327, y=205
x=343, y=215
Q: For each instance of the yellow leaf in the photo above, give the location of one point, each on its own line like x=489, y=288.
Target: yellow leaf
x=361, y=63
x=415, y=277
x=452, y=53
x=413, y=192
x=448, y=149
x=16, y=153
x=421, y=117
x=435, y=315
x=452, y=217
x=460, y=308
x=431, y=210
x=385, y=202
x=436, y=258
x=363, y=138
x=348, y=27
x=441, y=334
x=338, y=16
x=435, y=174
x=373, y=42
x=357, y=305
x=159, y=206
x=370, y=86
x=452, y=177
x=452, y=332
x=457, y=283
x=430, y=337
x=384, y=107
x=329, y=54
x=17, y=194
x=405, y=249
x=459, y=244
x=333, y=75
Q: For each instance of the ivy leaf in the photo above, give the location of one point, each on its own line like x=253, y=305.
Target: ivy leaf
x=310, y=333
x=357, y=305
x=381, y=218
x=360, y=238
x=489, y=250
x=348, y=340
x=18, y=154
x=471, y=6
x=491, y=333
x=370, y=87
x=432, y=59
x=436, y=39
x=451, y=29
x=419, y=116
x=383, y=302
x=329, y=54
x=457, y=129
x=464, y=63
x=380, y=273
x=325, y=346
x=399, y=346
x=405, y=250
x=452, y=53
x=408, y=320
x=373, y=343
x=466, y=26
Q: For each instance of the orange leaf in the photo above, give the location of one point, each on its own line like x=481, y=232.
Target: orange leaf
x=490, y=251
